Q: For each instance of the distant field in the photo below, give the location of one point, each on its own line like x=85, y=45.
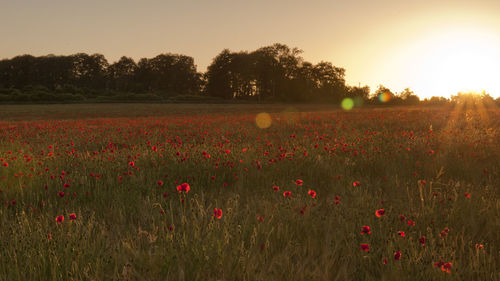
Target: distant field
x=221, y=192
x=131, y=110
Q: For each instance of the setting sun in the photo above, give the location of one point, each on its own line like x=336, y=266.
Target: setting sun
x=460, y=60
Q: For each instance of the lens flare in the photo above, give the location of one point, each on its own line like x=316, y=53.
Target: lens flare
x=263, y=120
x=347, y=104
x=384, y=97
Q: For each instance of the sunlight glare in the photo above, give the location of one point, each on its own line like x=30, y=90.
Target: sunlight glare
x=458, y=61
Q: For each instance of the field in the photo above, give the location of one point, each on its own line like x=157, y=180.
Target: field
x=221, y=192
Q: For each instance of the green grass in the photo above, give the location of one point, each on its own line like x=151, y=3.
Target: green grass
x=126, y=229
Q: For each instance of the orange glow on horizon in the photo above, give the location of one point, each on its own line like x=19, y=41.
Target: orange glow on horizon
x=461, y=60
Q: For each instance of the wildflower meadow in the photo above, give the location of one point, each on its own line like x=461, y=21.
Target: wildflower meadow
x=249, y=192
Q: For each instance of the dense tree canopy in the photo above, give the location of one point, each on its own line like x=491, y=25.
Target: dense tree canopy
x=275, y=73
x=165, y=74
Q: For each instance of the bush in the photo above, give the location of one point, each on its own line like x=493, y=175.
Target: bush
x=193, y=98
x=67, y=88
x=128, y=97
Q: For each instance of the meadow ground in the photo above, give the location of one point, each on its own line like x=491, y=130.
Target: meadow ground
x=221, y=192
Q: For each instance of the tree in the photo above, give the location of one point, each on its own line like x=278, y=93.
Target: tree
x=219, y=76
x=382, y=94
x=121, y=74
x=330, y=81
x=19, y=72
x=276, y=66
x=409, y=97
x=168, y=75
x=359, y=92
x=276, y=73
x=89, y=71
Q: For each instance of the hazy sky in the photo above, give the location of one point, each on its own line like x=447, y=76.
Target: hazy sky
x=433, y=47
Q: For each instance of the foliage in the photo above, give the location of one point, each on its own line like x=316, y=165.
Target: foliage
x=183, y=194
x=275, y=73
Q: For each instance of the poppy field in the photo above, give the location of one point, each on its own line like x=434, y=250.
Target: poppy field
x=249, y=192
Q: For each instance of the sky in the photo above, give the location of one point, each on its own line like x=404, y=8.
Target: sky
x=436, y=48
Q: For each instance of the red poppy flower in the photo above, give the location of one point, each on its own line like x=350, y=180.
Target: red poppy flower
x=467, y=194
x=287, y=193
x=276, y=188
x=72, y=216
x=5, y=164
x=218, y=213
x=422, y=240
x=356, y=183
x=479, y=246
x=183, y=188
x=366, y=230
x=299, y=182
x=61, y=194
x=59, y=219
x=131, y=164
x=160, y=183
x=401, y=233
x=66, y=185
x=439, y=263
x=365, y=247
x=397, y=255
x=446, y=267
x=379, y=213
x=337, y=200
x=444, y=232
x=312, y=193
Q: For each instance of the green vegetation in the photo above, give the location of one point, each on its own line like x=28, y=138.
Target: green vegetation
x=119, y=170
x=271, y=74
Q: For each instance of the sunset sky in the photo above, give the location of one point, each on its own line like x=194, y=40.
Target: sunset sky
x=433, y=47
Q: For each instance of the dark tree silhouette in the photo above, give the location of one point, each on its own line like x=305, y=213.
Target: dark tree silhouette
x=19, y=72
x=408, y=97
x=330, y=82
x=168, y=75
x=219, y=76
x=362, y=93
x=275, y=73
x=89, y=71
x=121, y=75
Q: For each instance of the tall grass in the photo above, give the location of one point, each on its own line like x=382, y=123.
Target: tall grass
x=435, y=172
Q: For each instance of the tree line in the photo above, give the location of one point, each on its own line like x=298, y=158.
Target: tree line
x=275, y=73
x=82, y=76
